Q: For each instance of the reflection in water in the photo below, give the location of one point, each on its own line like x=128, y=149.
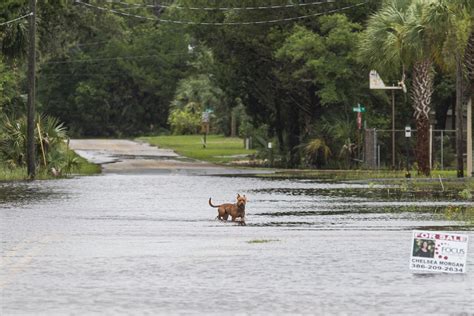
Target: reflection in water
x=22, y=192
x=138, y=244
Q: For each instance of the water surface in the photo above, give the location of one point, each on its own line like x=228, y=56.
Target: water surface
x=149, y=244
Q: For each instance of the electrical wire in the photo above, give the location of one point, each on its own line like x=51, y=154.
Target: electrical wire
x=14, y=20
x=133, y=6
x=102, y=59
x=219, y=23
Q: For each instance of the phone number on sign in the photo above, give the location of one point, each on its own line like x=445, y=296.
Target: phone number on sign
x=435, y=268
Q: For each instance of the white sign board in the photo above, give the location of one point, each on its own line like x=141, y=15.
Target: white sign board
x=438, y=252
x=407, y=131
x=375, y=82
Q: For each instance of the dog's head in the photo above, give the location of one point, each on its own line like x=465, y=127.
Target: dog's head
x=241, y=200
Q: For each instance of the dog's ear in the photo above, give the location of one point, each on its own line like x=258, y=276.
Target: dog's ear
x=245, y=198
x=238, y=195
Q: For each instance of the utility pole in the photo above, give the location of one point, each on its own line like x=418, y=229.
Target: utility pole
x=459, y=117
x=30, y=132
x=377, y=83
x=393, y=129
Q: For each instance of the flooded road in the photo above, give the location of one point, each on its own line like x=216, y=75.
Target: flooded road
x=147, y=243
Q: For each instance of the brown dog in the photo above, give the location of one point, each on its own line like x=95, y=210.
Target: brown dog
x=235, y=211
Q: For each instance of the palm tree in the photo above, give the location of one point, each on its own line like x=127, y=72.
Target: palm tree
x=455, y=19
x=396, y=39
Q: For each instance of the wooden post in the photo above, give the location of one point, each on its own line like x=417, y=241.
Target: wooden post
x=233, y=125
x=393, y=129
x=41, y=143
x=469, y=138
x=30, y=133
x=459, y=118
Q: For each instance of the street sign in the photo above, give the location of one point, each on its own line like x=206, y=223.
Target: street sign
x=359, y=108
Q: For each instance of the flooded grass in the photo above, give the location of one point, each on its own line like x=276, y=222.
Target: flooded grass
x=360, y=210
x=386, y=193
x=17, y=193
x=341, y=175
x=261, y=241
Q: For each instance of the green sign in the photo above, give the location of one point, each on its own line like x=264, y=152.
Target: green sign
x=359, y=108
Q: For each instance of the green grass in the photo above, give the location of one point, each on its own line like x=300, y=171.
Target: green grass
x=219, y=149
x=15, y=174
x=7, y=174
x=86, y=168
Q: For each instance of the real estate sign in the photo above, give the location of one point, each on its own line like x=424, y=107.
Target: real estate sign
x=438, y=252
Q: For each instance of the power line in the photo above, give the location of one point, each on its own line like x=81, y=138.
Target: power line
x=19, y=18
x=133, y=6
x=101, y=59
x=114, y=58
x=219, y=23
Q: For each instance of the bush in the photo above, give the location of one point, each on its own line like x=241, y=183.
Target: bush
x=184, y=121
x=50, y=138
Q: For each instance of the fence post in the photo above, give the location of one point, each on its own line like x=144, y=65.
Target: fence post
x=378, y=156
x=442, y=150
x=370, y=148
x=431, y=147
x=375, y=146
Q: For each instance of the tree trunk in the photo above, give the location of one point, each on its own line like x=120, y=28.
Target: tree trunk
x=469, y=65
x=293, y=136
x=422, y=89
x=459, y=118
x=468, y=94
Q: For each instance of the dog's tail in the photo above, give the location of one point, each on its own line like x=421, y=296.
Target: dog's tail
x=210, y=203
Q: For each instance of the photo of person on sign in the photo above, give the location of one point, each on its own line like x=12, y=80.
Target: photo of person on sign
x=423, y=248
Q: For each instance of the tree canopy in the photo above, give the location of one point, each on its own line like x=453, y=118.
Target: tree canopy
x=296, y=68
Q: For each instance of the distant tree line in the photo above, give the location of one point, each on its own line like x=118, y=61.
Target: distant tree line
x=292, y=82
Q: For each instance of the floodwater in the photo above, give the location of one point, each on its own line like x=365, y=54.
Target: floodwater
x=148, y=244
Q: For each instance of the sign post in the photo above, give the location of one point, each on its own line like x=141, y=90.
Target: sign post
x=407, y=148
x=438, y=252
x=359, y=109
x=205, y=119
x=376, y=83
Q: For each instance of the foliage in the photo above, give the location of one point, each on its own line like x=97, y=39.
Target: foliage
x=50, y=136
x=194, y=95
x=185, y=121
x=105, y=74
x=317, y=152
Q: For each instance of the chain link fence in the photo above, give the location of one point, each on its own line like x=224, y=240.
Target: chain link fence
x=378, y=149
